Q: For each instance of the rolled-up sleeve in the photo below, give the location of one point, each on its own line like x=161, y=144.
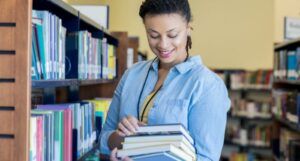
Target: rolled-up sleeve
x=207, y=120
x=112, y=117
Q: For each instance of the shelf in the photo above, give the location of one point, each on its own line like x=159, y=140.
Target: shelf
x=253, y=89
x=248, y=118
x=63, y=5
x=96, y=81
x=230, y=143
x=87, y=154
x=290, y=125
x=67, y=82
x=289, y=82
x=57, y=7
x=53, y=83
x=295, y=42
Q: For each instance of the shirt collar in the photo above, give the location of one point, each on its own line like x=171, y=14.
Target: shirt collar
x=181, y=67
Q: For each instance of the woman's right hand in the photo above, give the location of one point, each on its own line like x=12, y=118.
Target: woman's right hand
x=128, y=126
x=113, y=156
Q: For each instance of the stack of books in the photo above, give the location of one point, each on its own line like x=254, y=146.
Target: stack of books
x=170, y=142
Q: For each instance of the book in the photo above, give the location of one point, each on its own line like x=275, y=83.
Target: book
x=163, y=156
x=185, y=147
x=142, y=152
x=164, y=130
x=156, y=138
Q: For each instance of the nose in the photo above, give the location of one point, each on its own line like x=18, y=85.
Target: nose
x=163, y=43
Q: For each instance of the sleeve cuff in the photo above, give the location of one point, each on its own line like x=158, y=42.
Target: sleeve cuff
x=104, y=149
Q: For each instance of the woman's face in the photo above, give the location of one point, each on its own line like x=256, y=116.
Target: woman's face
x=167, y=37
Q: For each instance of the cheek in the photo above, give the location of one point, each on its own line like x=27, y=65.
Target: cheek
x=180, y=43
x=152, y=43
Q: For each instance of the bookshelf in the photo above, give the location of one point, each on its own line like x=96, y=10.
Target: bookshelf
x=286, y=86
x=249, y=120
x=15, y=78
x=14, y=58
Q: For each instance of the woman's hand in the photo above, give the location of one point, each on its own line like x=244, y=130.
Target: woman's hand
x=113, y=156
x=128, y=126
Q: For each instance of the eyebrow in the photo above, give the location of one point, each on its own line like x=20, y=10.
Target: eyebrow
x=167, y=31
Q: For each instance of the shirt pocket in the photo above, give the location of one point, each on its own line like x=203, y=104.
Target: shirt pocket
x=174, y=111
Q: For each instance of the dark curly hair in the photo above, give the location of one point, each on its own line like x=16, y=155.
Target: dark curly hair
x=156, y=7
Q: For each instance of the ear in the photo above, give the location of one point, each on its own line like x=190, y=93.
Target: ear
x=189, y=29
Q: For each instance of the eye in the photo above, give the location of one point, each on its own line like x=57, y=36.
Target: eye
x=173, y=36
x=154, y=36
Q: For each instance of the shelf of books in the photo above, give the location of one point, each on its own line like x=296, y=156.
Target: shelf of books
x=248, y=131
x=286, y=96
x=48, y=51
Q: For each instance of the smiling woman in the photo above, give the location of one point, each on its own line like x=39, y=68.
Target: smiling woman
x=172, y=88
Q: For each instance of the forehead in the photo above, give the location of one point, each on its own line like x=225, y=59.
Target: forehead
x=164, y=22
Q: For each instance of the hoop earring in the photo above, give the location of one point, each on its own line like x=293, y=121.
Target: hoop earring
x=188, y=44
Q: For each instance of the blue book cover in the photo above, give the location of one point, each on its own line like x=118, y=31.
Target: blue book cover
x=298, y=108
x=35, y=55
x=292, y=65
x=41, y=49
x=163, y=156
x=34, y=72
x=44, y=18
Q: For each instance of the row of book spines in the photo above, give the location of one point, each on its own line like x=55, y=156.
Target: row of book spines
x=288, y=141
x=48, y=46
x=251, y=107
x=49, y=52
x=287, y=105
x=258, y=77
x=247, y=78
x=50, y=136
x=262, y=134
x=235, y=156
x=287, y=64
x=253, y=135
x=65, y=119
x=96, y=58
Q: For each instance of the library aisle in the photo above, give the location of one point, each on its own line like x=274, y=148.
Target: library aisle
x=61, y=61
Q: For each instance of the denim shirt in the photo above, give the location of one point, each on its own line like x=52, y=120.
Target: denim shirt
x=191, y=95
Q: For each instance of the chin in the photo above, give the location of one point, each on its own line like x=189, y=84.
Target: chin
x=166, y=60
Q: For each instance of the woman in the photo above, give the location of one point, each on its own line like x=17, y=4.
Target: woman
x=172, y=88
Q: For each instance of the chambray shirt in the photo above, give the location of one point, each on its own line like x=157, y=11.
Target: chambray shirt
x=191, y=95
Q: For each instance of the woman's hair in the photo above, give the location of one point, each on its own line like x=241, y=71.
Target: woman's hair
x=156, y=7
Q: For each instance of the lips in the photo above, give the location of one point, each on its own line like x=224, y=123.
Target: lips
x=166, y=54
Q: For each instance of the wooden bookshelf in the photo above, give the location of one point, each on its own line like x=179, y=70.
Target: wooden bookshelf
x=292, y=126
x=15, y=27
x=68, y=82
x=285, y=83
x=15, y=64
x=134, y=44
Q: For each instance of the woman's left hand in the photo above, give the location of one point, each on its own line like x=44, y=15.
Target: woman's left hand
x=113, y=156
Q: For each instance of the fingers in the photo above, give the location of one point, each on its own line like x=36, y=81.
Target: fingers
x=123, y=129
x=127, y=126
x=133, y=122
x=113, y=155
x=120, y=133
